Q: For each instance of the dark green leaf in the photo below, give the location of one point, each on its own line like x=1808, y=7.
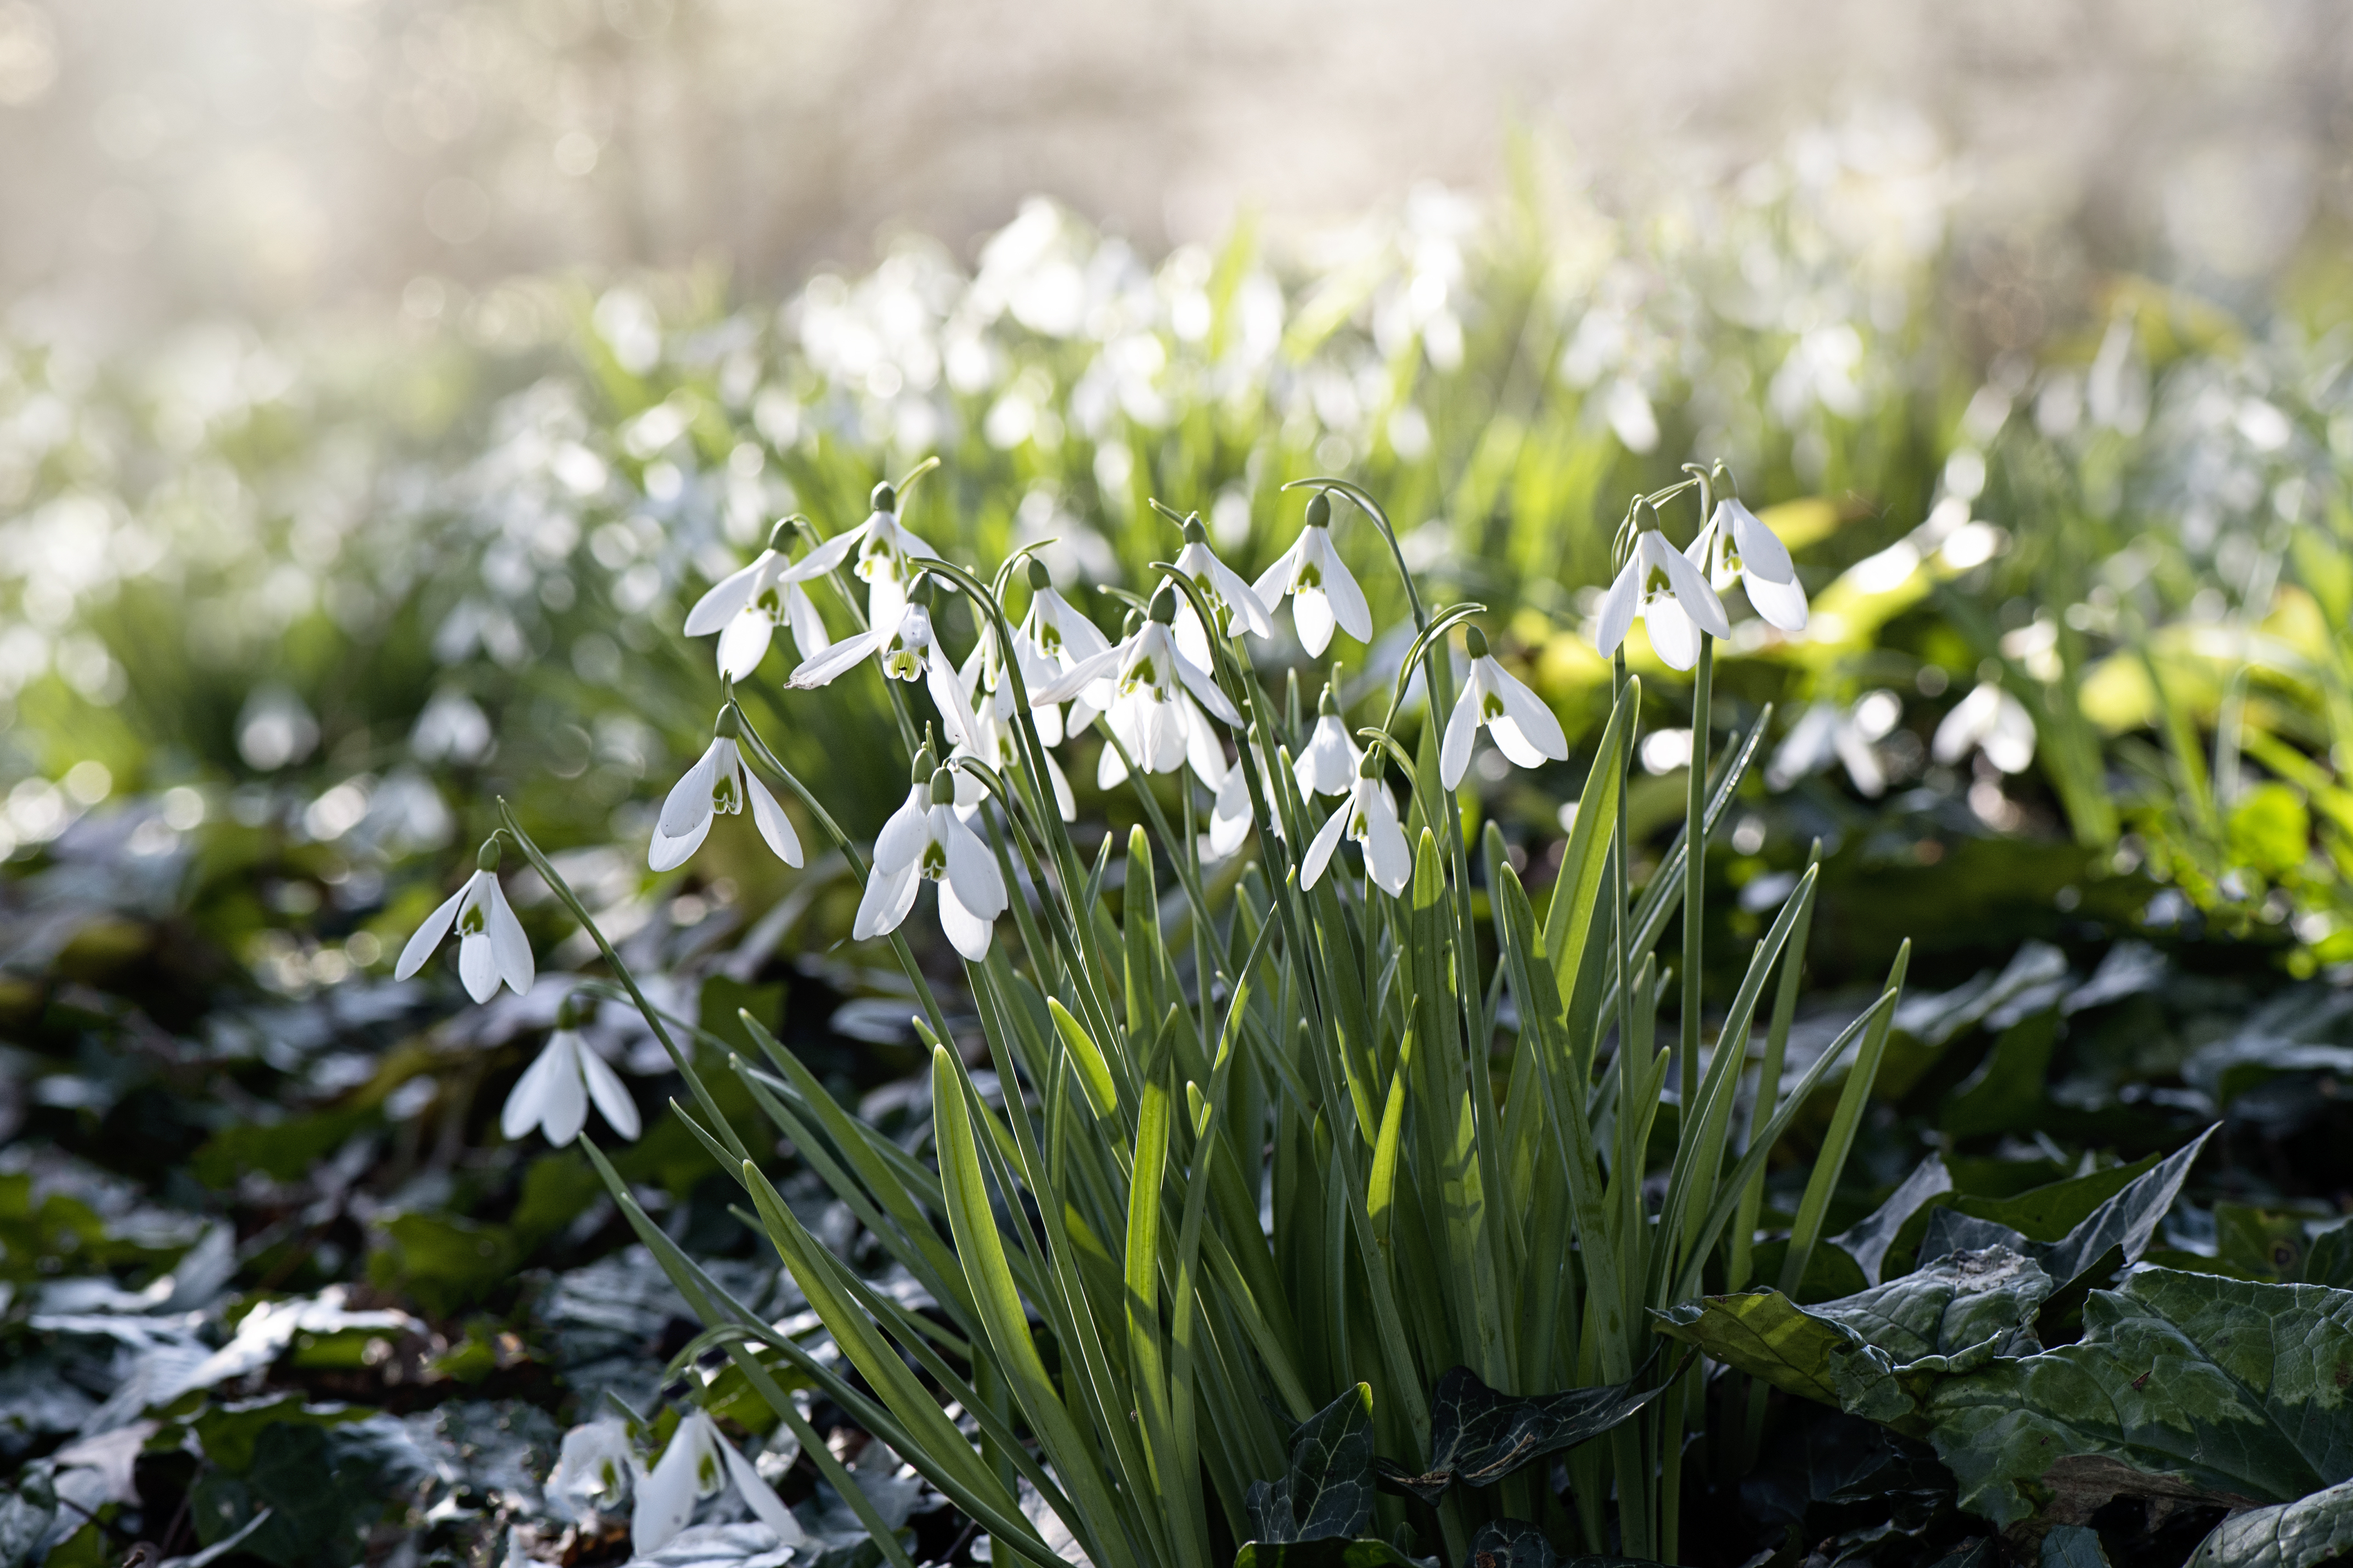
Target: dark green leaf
x=1327, y=1494
x=1478, y=1436
x=2304, y=1534
x=2234, y=1389
x=1516, y=1543
x=2073, y=1546
x=2006, y=1093
x=1368, y=1552
x=2329, y=1261
x=1867, y=1240
x=2123, y=1224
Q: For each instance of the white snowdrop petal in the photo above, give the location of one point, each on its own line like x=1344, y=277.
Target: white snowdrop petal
x=1536, y=722
x=1672, y=637
x=689, y=801
x=1311, y=614
x=1275, y=581
x=1205, y=690
x=429, y=935
x=1762, y=554
x=979, y=886
x=477, y=966
x=509, y=946
x=965, y=932
x=612, y=1096
x=1348, y=606
x=770, y=818
x=1461, y=728
x=563, y=1106
x=743, y=643
x=726, y=598
x=1079, y=676
x=835, y=660
x=668, y=854
x=1692, y=593
x=527, y=1098
x=1782, y=605
x=764, y=1503
x=1111, y=768
x=956, y=716
x=901, y=838
x=889, y=896
x=1326, y=840
x=1388, y=860
x=825, y=557
x=1618, y=609
x=809, y=637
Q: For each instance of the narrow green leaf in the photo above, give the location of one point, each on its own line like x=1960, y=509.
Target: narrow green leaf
x=1094, y=1072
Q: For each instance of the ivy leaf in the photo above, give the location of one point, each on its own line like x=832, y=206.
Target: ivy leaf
x=1366, y=1551
x=2300, y=1535
x=1478, y=1436
x=2240, y=1391
x=1327, y=1494
x=1868, y=1239
x=2073, y=1546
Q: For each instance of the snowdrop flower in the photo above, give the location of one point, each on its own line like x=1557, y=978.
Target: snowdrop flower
x=1328, y=764
x=1229, y=817
x=908, y=651
x=1736, y=547
x=1826, y=733
x=886, y=554
x=697, y=1463
x=1369, y=816
x=553, y=1092
x=491, y=943
x=925, y=840
x=1230, y=593
x=594, y=1469
x=1675, y=602
x=718, y=782
x=1157, y=699
x=1059, y=640
x=746, y=607
x=1320, y=588
x=1516, y=719
x=1991, y=721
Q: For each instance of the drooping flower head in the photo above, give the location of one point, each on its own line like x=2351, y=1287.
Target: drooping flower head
x=907, y=650
x=1669, y=592
x=1514, y=717
x=1059, y=640
x=719, y=783
x=553, y=1092
x=992, y=739
x=1323, y=591
x=698, y=1461
x=1327, y=766
x=1157, y=699
x=1231, y=598
x=1736, y=547
x=926, y=841
x=1991, y=721
x=491, y=946
x=887, y=556
x=746, y=607
x=1369, y=816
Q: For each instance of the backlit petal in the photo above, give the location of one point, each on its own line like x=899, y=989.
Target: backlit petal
x=689, y=801
x=612, y=1097
x=1326, y=839
x=770, y=818
x=744, y=644
x=1526, y=711
x=508, y=945
x=1311, y=614
x=1388, y=861
x=1461, y=728
x=889, y=896
x=835, y=660
x=1617, y=608
x=726, y=597
x=429, y=935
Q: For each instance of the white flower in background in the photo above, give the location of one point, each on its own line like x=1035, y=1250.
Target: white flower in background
x=1328, y=763
x=1991, y=721
x=1674, y=600
x=718, y=782
x=1516, y=719
x=746, y=607
x=1826, y=733
x=491, y=946
x=553, y=1092
x=1369, y=816
x=1060, y=639
x=1230, y=820
x=595, y=1469
x=1736, y=547
x=1322, y=590
x=1230, y=593
x=698, y=1461
x=925, y=840
x=887, y=555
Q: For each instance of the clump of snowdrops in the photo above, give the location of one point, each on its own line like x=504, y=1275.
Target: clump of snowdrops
x=1273, y=1223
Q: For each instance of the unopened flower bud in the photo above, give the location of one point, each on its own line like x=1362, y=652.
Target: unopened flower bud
x=885, y=497
x=1319, y=511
